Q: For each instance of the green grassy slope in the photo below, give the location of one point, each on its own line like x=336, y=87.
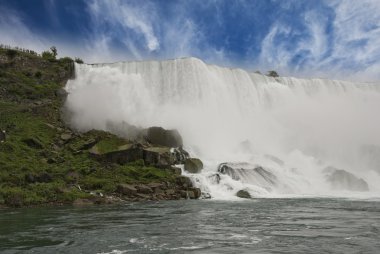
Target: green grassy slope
x=43, y=161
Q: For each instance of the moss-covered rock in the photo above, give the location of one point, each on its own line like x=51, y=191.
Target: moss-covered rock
x=43, y=161
x=162, y=137
x=193, y=165
x=243, y=194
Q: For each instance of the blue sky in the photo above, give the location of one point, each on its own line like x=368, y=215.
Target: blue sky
x=305, y=38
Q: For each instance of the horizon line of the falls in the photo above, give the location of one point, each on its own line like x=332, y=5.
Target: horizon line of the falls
x=230, y=115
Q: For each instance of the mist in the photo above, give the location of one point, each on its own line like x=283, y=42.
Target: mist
x=230, y=115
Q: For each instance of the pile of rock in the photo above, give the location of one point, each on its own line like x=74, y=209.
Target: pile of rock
x=182, y=189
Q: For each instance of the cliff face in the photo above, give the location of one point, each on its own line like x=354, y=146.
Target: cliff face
x=43, y=161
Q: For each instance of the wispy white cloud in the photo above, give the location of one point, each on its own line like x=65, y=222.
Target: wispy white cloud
x=13, y=31
x=344, y=45
x=127, y=17
x=350, y=50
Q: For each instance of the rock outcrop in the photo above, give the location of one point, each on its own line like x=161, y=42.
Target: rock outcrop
x=162, y=137
x=193, y=165
x=237, y=171
x=340, y=179
x=243, y=194
x=182, y=189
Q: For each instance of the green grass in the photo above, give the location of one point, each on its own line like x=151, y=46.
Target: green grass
x=30, y=110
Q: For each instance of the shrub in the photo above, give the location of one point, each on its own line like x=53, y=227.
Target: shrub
x=47, y=55
x=11, y=53
x=66, y=59
x=38, y=74
x=273, y=74
x=78, y=60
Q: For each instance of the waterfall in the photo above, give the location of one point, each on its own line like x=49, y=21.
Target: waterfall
x=296, y=130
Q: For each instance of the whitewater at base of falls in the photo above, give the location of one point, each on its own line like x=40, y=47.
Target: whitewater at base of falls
x=293, y=128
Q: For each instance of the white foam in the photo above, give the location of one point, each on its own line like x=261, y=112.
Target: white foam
x=230, y=115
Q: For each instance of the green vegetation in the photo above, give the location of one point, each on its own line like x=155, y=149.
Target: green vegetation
x=42, y=161
x=273, y=74
x=78, y=60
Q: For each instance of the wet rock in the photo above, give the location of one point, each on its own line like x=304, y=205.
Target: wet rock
x=214, y=178
x=196, y=192
x=243, y=194
x=33, y=143
x=342, y=180
x=193, y=165
x=180, y=155
x=184, y=181
x=126, y=189
x=160, y=136
x=239, y=171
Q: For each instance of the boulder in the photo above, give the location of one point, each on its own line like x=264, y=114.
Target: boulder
x=180, y=155
x=342, y=180
x=243, y=194
x=160, y=136
x=197, y=192
x=33, y=143
x=126, y=189
x=184, y=181
x=61, y=93
x=193, y=165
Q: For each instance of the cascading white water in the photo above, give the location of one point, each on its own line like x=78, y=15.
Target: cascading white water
x=293, y=128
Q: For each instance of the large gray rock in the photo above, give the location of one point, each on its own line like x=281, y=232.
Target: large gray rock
x=342, y=180
x=240, y=171
x=193, y=165
x=158, y=156
x=184, y=181
x=160, y=136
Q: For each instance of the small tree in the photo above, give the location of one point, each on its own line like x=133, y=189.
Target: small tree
x=273, y=74
x=11, y=53
x=78, y=60
x=54, y=51
x=47, y=55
